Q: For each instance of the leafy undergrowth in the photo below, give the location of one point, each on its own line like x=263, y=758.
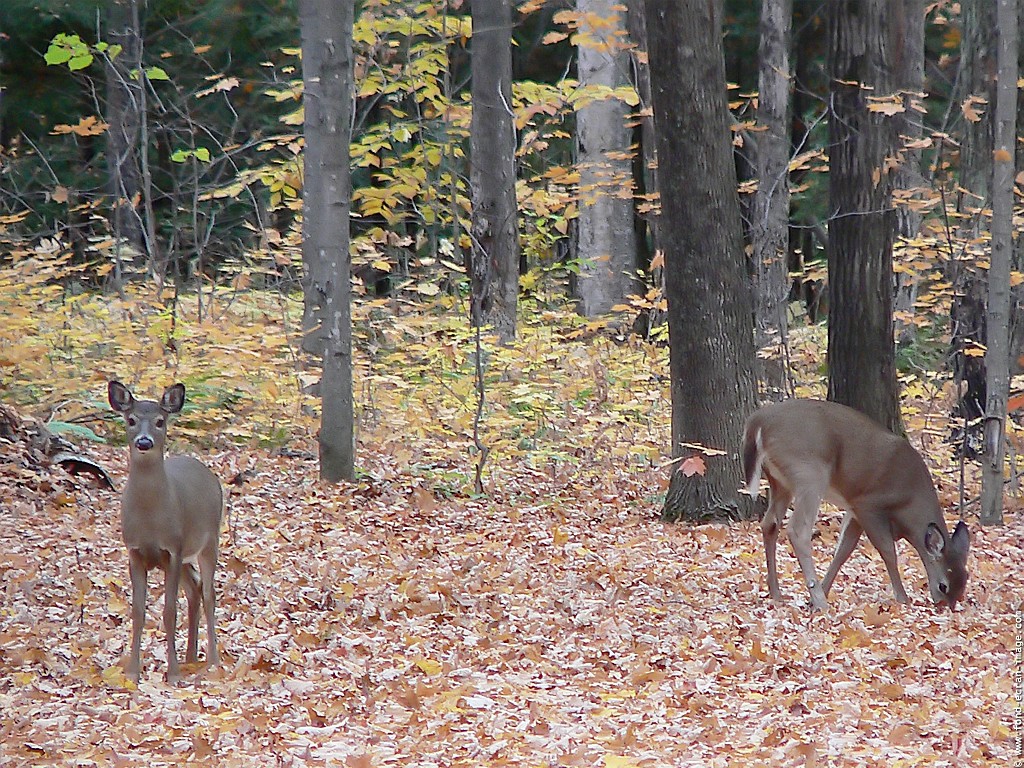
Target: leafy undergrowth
x=402, y=620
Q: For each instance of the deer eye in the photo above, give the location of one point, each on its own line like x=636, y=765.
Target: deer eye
x=132, y=421
x=159, y=422
x=944, y=588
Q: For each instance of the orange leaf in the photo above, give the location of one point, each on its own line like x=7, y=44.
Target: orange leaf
x=693, y=466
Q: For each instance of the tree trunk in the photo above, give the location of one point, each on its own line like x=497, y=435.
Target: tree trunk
x=977, y=83
x=770, y=226
x=997, y=355
x=909, y=26
x=607, y=241
x=861, y=349
x=326, y=27
x=645, y=171
x=494, y=258
x=711, y=346
x=908, y=33
x=124, y=100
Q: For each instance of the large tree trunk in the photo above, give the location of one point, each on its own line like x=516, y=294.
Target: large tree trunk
x=997, y=356
x=495, y=234
x=326, y=27
x=770, y=226
x=711, y=346
x=607, y=241
x=861, y=349
x=123, y=114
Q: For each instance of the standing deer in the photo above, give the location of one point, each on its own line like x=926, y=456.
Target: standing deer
x=811, y=450
x=170, y=519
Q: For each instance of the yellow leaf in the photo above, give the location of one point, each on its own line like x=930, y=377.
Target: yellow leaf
x=559, y=536
x=888, y=107
x=87, y=126
x=115, y=678
x=998, y=731
x=617, y=761
x=625, y=693
x=428, y=666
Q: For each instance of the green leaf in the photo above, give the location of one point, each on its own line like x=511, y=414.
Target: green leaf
x=57, y=55
x=203, y=154
x=180, y=156
x=156, y=73
x=80, y=61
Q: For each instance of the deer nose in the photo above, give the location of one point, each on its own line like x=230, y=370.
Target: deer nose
x=144, y=443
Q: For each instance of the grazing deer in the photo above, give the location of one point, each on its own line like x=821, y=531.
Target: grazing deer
x=170, y=519
x=812, y=450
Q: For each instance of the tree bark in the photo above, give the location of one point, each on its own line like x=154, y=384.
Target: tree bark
x=909, y=27
x=861, y=349
x=645, y=170
x=607, y=240
x=494, y=259
x=711, y=348
x=770, y=226
x=978, y=85
x=123, y=105
x=326, y=27
x=997, y=357
x=908, y=32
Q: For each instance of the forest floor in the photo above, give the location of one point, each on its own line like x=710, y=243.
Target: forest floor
x=551, y=621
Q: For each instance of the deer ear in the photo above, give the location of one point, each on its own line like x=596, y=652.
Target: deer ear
x=961, y=538
x=119, y=397
x=934, y=541
x=174, y=398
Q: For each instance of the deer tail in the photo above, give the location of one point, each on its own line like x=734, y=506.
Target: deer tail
x=753, y=458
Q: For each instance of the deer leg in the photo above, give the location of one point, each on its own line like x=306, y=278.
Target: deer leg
x=207, y=566
x=880, y=536
x=778, y=502
x=848, y=539
x=171, y=581
x=137, y=572
x=190, y=576
x=801, y=526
